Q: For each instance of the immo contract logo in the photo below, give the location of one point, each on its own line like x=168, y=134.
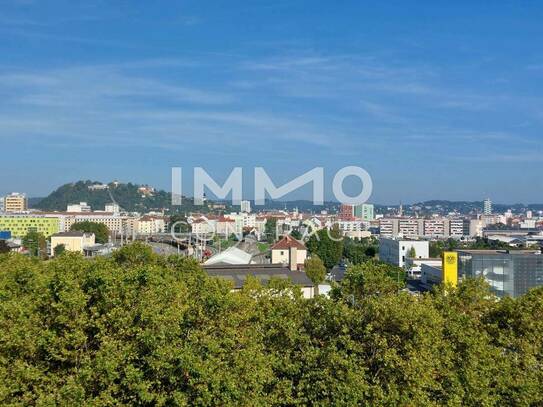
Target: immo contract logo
x=263, y=184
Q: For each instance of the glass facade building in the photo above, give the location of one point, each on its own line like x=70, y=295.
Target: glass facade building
x=509, y=273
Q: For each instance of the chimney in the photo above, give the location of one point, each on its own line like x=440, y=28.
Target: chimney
x=293, y=257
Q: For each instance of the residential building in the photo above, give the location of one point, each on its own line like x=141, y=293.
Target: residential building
x=459, y=227
x=289, y=251
x=389, y=227
x=487, y=206
x=80, y=207
x=73, y=241
x=15, y=202
x=364, y=212
x=411, y=227
x=509, y=272
x=396, y=252
x=245, y=206
x=20, y=225
x=346, y=212
x=437, y=227
x=150, y=225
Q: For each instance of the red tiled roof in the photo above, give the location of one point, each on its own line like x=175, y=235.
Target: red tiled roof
x=287, y=242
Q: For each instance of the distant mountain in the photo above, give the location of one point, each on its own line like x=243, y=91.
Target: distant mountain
x=464, y=207
x=127, y=196
x=130, y=198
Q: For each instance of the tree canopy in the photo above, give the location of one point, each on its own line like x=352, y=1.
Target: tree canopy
x=35, y=243
x=315, y=270
x=140, y=329
x=328, y=245
x=101, y=232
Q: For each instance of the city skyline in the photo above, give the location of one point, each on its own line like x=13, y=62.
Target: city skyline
x=433, y=107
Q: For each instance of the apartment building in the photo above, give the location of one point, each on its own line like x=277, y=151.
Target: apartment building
x=436, y=227
x=150, y=225
x=364, y=212
x=15, y=202
x=418, y=227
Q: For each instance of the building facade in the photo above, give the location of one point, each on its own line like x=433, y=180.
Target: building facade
x=245, y=206
x=74, y=241
x=364, y=212
x=396, y=252
x=20, y=225
x=509, y=273
x=15, y=202
x=487, y=206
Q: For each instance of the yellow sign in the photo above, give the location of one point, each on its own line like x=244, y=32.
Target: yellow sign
x=450, y=268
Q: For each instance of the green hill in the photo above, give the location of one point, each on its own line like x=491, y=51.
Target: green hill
x=126, y=196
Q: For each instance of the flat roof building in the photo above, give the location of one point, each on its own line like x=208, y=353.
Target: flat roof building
x=509, y=272
x=73, y=241
x=15, y=202
x=396, y=252
x=20, y=225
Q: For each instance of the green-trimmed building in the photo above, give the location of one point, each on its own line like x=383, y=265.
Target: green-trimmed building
x=20, y=225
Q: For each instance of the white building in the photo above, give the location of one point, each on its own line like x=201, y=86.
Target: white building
x=80, y=207
x=289, y=251
x=487, y=206
x=414, y=266
x=395, y=252
x=245, y=206
x=112, y=207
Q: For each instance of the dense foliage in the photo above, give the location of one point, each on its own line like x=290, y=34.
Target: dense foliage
x=328, y=245
x=101, y=232
x=36, y=244
x=138, y=329
x=315, y=269
x=360, y=250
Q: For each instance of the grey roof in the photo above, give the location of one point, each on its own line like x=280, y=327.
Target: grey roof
x=263, y=272
x=72, y=233
x=337, y=273
x=500, y=252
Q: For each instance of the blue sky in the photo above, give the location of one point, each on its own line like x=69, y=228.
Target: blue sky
x=436, y=100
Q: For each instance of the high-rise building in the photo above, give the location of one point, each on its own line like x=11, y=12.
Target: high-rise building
x=346, y=212
x=364, y=212
x=487, y=206
x=15, y=202
x=245, y=206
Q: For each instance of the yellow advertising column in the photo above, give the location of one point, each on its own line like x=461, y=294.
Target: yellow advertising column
x=450, y=268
